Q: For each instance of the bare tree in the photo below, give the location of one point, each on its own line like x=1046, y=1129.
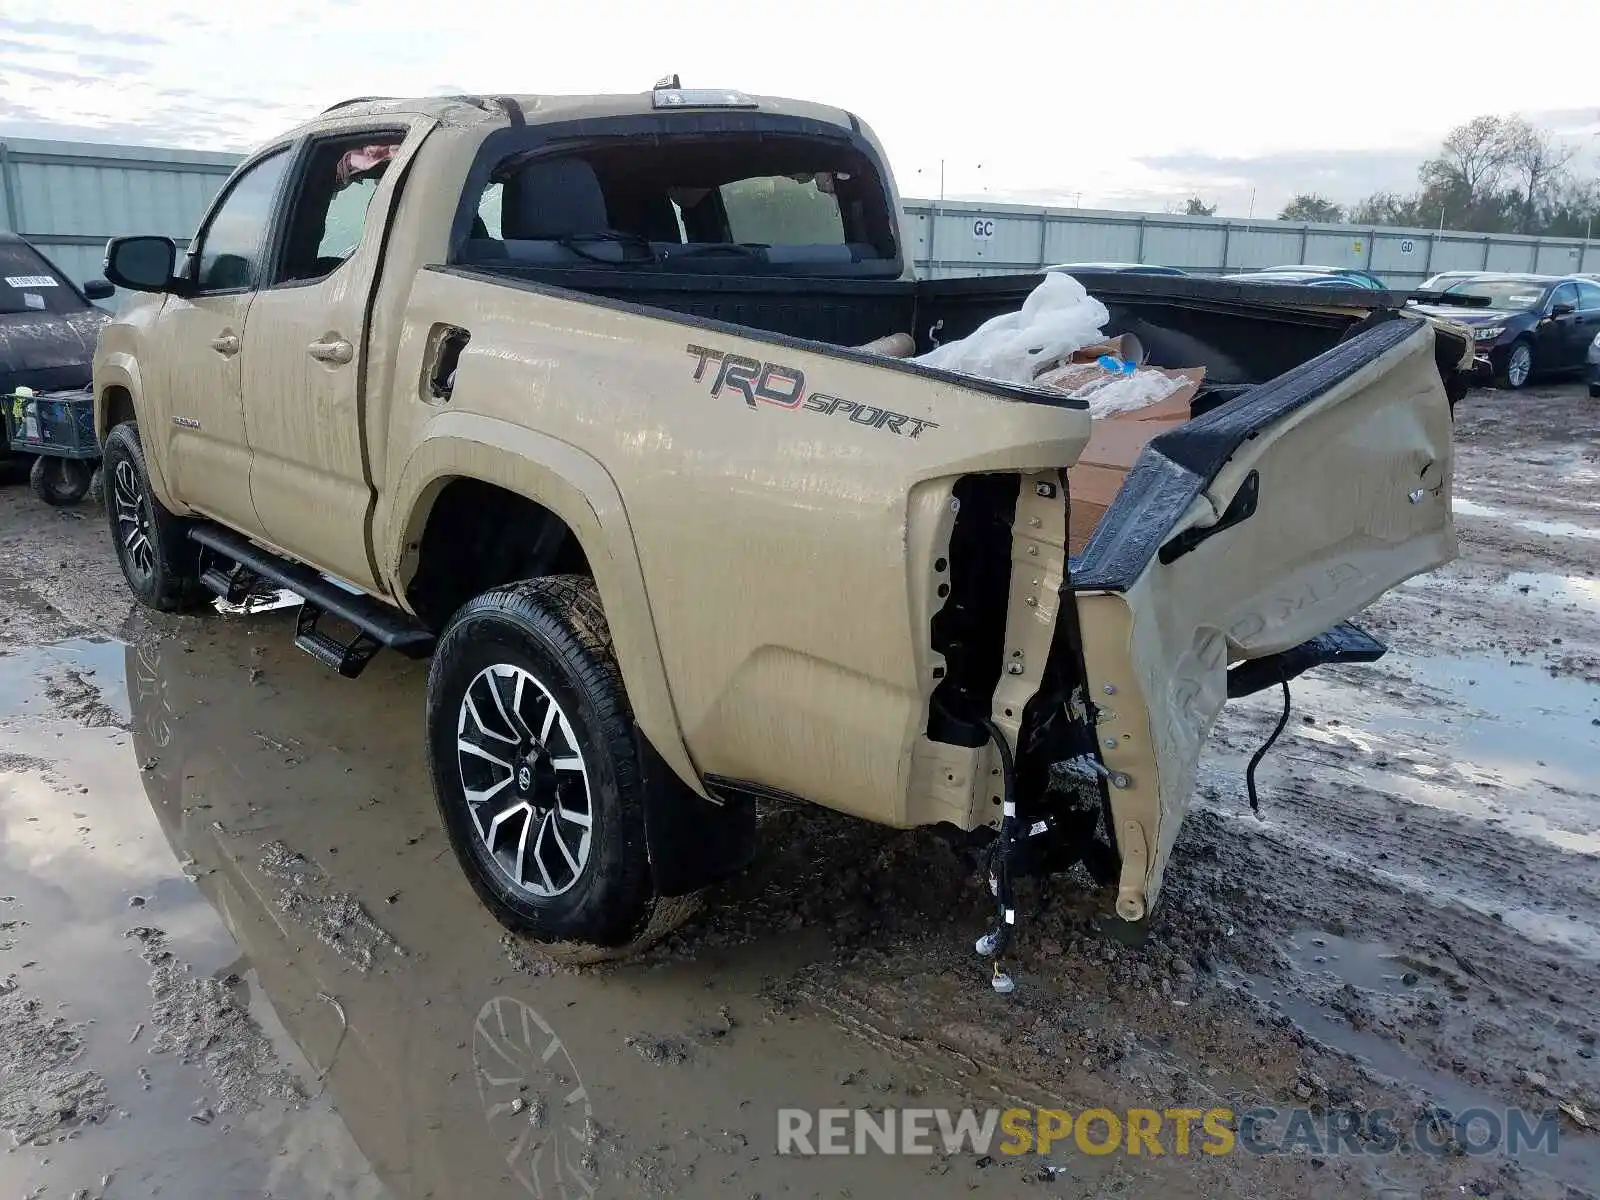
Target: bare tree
x=1536, y=165
x=1473, y=158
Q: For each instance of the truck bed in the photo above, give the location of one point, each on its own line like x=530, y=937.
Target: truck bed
x=1242, y=334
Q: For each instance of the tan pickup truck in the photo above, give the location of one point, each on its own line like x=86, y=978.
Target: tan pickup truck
x=567, y=394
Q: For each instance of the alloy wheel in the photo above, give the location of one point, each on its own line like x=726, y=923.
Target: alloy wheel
x=133, y=520
x=525, y=780
x=1520, y=365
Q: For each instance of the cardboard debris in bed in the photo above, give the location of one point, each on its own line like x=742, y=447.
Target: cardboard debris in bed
x=1130, y=401
x=1112, y=377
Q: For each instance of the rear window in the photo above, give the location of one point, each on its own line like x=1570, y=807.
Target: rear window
x=689, y=203
x=29, y=284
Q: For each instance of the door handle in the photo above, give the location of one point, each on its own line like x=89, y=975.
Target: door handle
x=226, y=344
x=331, y=350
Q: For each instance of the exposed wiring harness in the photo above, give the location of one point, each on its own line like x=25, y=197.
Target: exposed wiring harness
x=1255, y=759
x=993, y=944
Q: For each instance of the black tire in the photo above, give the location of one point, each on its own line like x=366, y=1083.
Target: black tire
x=59, y=481
x=553, y=632
x=97, y=484
x=160, y=563
x=1507, y=373
x=1594, y=391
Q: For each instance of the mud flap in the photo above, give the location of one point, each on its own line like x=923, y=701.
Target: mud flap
x=1344, y=466
x=693, y=842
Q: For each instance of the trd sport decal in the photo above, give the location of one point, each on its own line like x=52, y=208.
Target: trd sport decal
x=785, y=387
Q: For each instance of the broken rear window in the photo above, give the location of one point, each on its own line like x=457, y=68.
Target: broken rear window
x=749, y=201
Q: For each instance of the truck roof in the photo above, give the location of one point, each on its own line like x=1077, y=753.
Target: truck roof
x=471, y=110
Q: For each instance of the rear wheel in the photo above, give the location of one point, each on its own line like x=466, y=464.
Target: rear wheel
x=1594, y=391
x=536, y=770
x=1517, y=367
x=60, y=481
x=160, y=563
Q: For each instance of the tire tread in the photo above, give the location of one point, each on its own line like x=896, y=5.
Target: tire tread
x=177, y=586
x=568, y=616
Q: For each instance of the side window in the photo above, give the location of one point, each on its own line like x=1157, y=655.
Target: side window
x=329, y=213
x=232, y=245
x=1589, y=297
x=1567, y=293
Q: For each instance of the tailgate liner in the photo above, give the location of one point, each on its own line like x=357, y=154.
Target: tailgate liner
x=1175, y=467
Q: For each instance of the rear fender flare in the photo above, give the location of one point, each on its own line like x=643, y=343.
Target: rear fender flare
x=575, y=487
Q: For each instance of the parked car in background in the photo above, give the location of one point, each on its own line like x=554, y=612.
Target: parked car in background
x=1351, y=274
x=48, y=327
x=1313, y=277
x=1131, y=268
x=1594, y=368
x=1437, y=283
x=1534, y=324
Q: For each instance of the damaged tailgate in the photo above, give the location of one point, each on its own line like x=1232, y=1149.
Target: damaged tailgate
x=1245, y=533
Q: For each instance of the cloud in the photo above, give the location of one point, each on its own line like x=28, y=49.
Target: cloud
x=114, y=64
x=51, y=74
x=77, y=32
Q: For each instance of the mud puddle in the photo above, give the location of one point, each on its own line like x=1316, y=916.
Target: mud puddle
x=1574, y=593
x=1489, y=739
x=296, y=993
x=124, y=970
x=1556, y=529
x=1351, y=995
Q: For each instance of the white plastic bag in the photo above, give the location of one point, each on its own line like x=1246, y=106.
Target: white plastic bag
x=1127, y=393
x=1057, y=318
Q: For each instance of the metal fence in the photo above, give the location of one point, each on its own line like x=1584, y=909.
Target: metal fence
x=960, y=238
x=69, y=197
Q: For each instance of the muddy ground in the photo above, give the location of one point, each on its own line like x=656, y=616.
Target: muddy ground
x=238, y=959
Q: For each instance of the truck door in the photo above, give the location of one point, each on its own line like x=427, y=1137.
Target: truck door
x=193, y=408
x=303, y=363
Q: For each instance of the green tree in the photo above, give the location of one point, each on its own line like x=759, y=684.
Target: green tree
x=1311, y=206
x=1196, y=207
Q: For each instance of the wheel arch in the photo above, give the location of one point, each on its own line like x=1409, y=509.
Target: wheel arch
x=117, y=389
x=573, y=488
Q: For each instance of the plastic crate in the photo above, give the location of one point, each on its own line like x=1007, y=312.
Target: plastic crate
x=59, y=424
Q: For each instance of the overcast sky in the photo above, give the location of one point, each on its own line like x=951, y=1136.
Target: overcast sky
x=1133, y=105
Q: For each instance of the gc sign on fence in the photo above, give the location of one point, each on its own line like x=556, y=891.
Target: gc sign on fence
x=982, y=228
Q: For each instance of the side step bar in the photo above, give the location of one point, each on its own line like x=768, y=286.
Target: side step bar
x=1341, y=644
x=380, y=626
